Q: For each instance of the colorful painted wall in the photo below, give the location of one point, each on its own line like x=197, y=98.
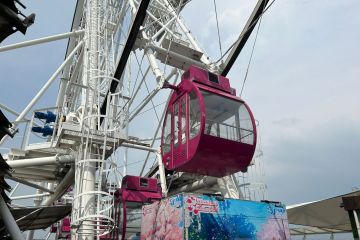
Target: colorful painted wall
x=202, y=217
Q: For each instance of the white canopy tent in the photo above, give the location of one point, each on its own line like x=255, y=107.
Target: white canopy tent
x=320, y=217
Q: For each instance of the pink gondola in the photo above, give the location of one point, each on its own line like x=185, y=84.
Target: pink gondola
x=207, y=129
x=134, y=192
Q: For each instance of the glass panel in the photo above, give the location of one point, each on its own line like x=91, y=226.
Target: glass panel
x=167, y=133
x=194, y=115
x=183, y=120
x=176, y=124
x=227, y=118
x=246, y=127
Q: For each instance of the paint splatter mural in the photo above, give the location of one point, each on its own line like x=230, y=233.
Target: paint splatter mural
x=202, y=217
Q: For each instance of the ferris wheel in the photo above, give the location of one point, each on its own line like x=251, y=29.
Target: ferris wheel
x=138, y=96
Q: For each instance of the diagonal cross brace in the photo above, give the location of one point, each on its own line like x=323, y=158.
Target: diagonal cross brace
x=135, y=28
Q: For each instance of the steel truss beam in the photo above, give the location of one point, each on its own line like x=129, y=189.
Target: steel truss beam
x=30, y=184
x=30, y=196
x=45, y=87
x=42, y=40
x=31, y=162
x=61, y=188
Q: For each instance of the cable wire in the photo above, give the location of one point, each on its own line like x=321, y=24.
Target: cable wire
x=218, y=29
x=251, y=55
x=232, y=45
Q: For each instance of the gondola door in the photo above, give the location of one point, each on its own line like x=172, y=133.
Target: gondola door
x=180, y=131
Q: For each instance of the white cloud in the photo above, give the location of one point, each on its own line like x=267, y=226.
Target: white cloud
x=302, y=86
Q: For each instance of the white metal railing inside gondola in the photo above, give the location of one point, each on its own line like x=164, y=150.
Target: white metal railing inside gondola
x=230, y=132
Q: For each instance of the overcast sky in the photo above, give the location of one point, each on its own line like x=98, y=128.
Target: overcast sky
x=303, y=84
x=303, y=87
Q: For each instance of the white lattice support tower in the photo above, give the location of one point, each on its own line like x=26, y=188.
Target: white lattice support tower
x=84, y=199
x=93, y=202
